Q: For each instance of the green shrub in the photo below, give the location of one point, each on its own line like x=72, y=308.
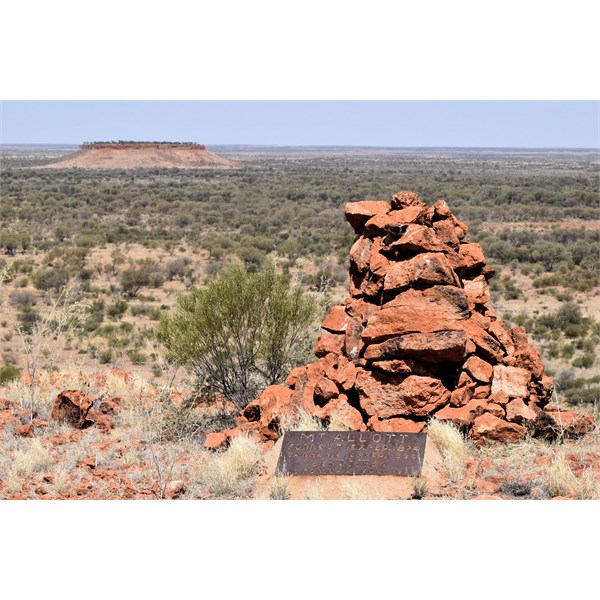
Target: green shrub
x=240, y=333
x=9, y=373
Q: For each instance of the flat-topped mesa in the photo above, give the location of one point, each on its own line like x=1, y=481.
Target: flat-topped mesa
x=140, y=155
x=416, y=339
x=139, y=145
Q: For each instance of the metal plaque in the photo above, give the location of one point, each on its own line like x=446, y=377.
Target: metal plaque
x=351, y=453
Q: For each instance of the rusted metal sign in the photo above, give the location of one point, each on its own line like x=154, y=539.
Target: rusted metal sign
x=351, y=453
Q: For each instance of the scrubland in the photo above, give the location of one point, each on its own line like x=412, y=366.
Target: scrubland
x=124, y=243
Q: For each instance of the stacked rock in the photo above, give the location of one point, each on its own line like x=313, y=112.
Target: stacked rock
x=416, y=339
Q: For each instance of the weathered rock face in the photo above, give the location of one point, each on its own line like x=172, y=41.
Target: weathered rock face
x=416, y=339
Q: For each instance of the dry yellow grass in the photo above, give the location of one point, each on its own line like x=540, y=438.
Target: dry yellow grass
x=300, y=421
x=314, y=491
x=452, y=446
x=587, y=486
x=279, y=488
x=356, y=489
x=31, y=460
x=232, y=473
x=560, y=477
x=419, y=486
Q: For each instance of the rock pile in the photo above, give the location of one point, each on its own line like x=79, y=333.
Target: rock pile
x=416, y=339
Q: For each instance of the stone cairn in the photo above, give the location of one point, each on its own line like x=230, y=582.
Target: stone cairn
x=416, y=339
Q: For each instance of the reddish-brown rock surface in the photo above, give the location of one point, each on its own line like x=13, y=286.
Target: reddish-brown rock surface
x=416, y=339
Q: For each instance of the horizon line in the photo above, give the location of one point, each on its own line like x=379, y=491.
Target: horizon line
x=377, y=147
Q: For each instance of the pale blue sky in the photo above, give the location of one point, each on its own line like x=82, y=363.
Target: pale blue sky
x=519, y=124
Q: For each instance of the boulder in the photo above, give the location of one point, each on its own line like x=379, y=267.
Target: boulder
x=103, y=422
x=358, y=213
x=71, y=406
x=513, y=381
x=428, y=269
x=488, y=428
x=392, y=396
x=518, y=412
x=439, y=308
x=478, y=368
x=434, y=347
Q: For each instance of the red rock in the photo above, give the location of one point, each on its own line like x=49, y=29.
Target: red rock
x=462, y=395
x=464, y=379
x=477, y=290
x=484, y=342
x=465, y=416
x=6, y=418
x=470, y=257
x=573, y=424
x=518, y=412
x=428, y=347
x=380, y=224
x=108, y=407
x=174, y=489
x=418, y=238
x=489, y=429
x=392, y=396
x=430, y=268
x=101, y=421
x=340, y=412
x=496, y=328
x=214, y=441
x=325, y=390
x=447, y=233
x=5, y=403
x=439, y=308
x=404, y=199
x=353, y=342
x=396, y=425
x=479, y=369
x=295, y=375
x=358, y=213
x=360, y=254
x=343, y=374
x=275, y=401
x=71, y=406
x=329, y=343
x=25, y=430
x=337, y=320
x=378, y=262
x=126, y=376
x=482, y=391
x=360, y=309
x=513, y=381
x=365, y=284
x=526, y=356
x=401, y=366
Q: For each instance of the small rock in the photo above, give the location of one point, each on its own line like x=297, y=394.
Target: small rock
x=25, y=430
x=174, y=489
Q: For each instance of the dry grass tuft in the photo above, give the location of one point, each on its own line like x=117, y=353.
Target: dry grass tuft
x=560, y=477
x=419, y=486
x=452, y=446
x=314, y=491
x=587, y=486
x=300, y=421
x=279, y=488
x=355, y=489
x=232, y=473
x=31, y=460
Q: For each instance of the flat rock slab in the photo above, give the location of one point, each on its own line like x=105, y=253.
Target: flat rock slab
x=351, y=453
x=333, y=487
